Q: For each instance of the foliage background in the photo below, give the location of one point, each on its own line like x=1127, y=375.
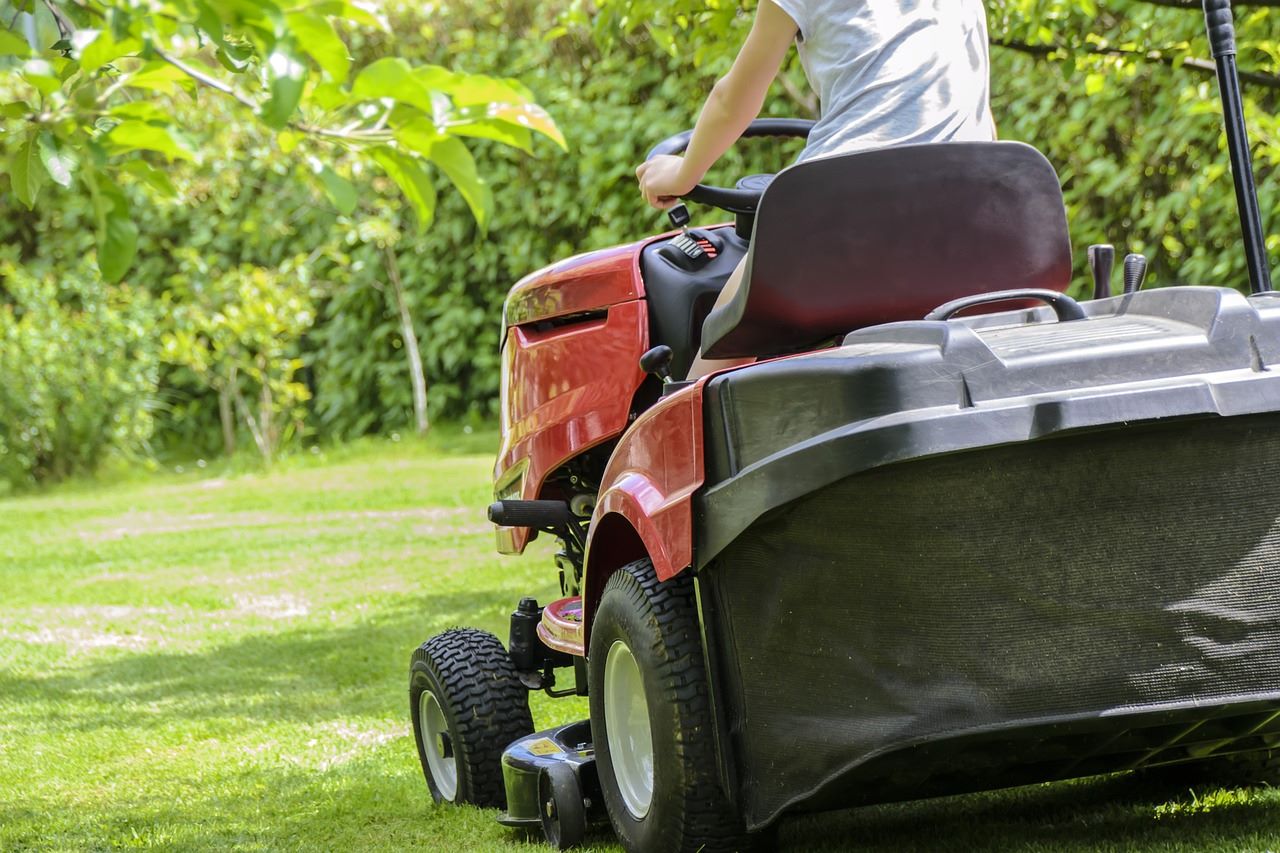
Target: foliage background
x=1116, y=93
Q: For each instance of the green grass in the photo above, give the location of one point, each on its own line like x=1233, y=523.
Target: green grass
x=200, y=661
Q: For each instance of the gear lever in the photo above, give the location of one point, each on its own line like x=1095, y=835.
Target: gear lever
x=1102, y=259
x=1135, y=273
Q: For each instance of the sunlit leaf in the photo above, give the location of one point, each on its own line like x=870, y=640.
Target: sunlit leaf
x=57, y=162
x=117, y=245
x=151, y=176
x=413, y=181
x=159, y=77
x=419, y=135
x=507, y=134
x=363, y=13
x=453, y=158
x=135, y=135
x=318, y=39
x=40, y=74
x=13, y=44
x=25, y=172
x=339, y=190
x=104, y=50
x=392, y=78
x=529, y=117
x=288, y=76
x=15, y=109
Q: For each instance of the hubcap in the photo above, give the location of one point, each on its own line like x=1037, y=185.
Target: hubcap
x=627, y=724
x=438, y=745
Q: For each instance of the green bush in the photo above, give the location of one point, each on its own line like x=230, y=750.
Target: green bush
x=78, y=371
x=1134, y=134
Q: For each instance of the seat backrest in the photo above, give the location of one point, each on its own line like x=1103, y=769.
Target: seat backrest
x=878, y=236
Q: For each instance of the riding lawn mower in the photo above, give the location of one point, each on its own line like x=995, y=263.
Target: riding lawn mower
x=841, y=574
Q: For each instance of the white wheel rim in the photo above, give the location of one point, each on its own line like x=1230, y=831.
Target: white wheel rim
x=627, y=723
x=438, y=745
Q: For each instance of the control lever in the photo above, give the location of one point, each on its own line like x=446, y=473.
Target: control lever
x=1135, y=273
x=1102, y=259
x=657, y=361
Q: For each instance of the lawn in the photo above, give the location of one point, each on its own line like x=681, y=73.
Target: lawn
x=206, y=659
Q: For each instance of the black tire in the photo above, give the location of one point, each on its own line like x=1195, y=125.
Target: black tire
x=471, y=680
x=564, y=814
x=658, y=624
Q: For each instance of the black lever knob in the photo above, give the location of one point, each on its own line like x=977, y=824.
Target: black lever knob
x=679, y=216
x=1102, y=260
x=1135, y=273
x=657, y=361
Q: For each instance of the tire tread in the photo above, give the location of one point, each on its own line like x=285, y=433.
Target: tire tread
x=485, y=701
x=708, y=821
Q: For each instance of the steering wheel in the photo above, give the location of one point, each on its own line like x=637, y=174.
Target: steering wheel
x=746, y=197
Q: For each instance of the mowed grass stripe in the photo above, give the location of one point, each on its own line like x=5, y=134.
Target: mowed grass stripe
x=204, y=661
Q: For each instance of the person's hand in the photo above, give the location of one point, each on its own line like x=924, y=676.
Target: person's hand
x=662, y=182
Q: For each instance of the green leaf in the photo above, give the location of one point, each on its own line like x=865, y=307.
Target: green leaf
x=151, y=176
x=117, y=235
x=15, y=109
x=453, y=158
x=161, y=77
x=413, y=181
x=13, y=44
x=507, y=134
x=148, y=111
x=104, y=50
x=317, y=37
x=59, y=164
x=528, y=116
x=288, y=76
x=133, y=135
x=40, y=74
x=392, y=78
x=339, y=190
x=362, y=13
x=288, y=140
x=419, y=134
x=117, y=245
x=25, y=174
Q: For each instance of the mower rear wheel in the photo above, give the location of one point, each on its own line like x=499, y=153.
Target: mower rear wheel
x=651, y=719
x=467, y=705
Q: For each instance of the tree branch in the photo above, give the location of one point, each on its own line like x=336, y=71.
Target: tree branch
x=374, y=135
x=1204, y=66
x=1197, y=4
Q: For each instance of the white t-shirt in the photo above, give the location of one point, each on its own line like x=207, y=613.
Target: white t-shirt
x=894, y=72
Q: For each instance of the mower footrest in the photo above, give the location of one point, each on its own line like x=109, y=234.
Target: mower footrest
x=561, y=626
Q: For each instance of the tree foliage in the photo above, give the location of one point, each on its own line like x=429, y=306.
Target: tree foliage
x=1119, y=94
x=95, y=107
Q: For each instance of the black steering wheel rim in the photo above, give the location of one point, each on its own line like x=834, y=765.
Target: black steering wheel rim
x=734, y=200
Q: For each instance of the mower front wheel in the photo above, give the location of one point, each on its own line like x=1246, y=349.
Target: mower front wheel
x=651, y=719
x=467, y=705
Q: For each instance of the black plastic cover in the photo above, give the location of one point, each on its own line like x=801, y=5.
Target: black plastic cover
x=680, y=299
x=963, y=555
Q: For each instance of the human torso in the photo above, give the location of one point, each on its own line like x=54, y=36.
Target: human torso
x=894, y=72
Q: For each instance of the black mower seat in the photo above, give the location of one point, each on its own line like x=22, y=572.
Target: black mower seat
x=886, y=235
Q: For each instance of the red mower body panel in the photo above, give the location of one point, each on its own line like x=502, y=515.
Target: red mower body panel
x=574, y=333
x=648, y=488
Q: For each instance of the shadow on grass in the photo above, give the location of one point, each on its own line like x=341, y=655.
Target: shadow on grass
x=1157, y=811
x=302, y=674
x=313, y=675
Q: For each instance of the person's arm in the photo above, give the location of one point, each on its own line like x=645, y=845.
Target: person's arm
x=734, y=102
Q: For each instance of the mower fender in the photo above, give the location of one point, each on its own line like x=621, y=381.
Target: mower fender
x=645, y=506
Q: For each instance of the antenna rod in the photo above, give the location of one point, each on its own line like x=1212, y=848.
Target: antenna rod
x=1222, y=41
